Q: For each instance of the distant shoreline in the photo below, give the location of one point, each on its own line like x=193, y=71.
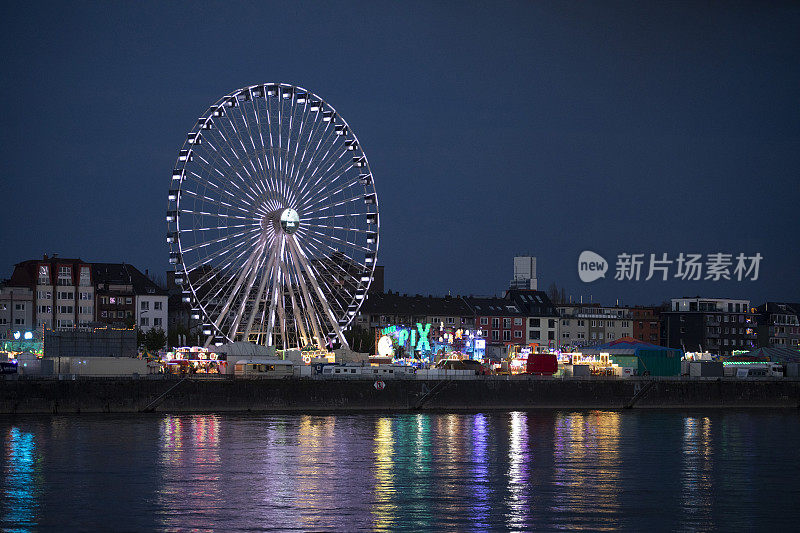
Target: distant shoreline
x=126, y=395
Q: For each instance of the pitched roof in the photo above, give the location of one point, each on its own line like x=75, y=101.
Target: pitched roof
x=393, y=304
x=125, y=274
x=494, y=307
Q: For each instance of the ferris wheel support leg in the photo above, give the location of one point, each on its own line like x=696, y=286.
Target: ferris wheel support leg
x=295, y=311
x=230, y=299
x=261, y=287
x=250, y=281
x=274, y=298
x=311, y=314
x=335, y=323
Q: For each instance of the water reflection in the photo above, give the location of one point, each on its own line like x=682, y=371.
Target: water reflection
x=587, y=469
x=190, y=468
x=518, y=462
x=21, y=481
x=524, y=471
x=696, y=476
x=384, y=509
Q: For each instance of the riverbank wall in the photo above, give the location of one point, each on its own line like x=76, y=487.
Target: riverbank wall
x=126, y=395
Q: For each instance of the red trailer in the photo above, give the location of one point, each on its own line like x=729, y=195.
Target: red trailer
x=542, y=364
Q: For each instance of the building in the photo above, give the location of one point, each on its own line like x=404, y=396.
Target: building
x=500, y=321
x=778, y=325
x=16, y=310
x=591, y=324
x=524, y=273
x=63, y=293
x=646, y=324
x=126, y=296
x=75, y=294
x=717, y=325
x=542, y=319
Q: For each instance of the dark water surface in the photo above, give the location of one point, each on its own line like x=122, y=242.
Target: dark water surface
x=547, y=470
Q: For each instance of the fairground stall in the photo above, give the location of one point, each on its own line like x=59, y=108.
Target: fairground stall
x=193, y=360
x=425, y=344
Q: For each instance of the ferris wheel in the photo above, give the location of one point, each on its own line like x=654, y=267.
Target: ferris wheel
x=273, y=219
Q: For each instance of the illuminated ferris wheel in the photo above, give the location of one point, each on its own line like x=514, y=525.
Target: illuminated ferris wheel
x=273, y=219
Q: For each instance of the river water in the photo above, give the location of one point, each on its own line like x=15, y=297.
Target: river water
x=545, y=470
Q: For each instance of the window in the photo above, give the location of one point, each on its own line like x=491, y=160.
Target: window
x=517, y=321
x=19, y=321
x=66, y=323
x=565, y=335
x=85, y=276
x=593, y=323
x=128, y=301
x=44, y=275
x=85, y=309
x=484, y=321
x=624, y=323
x=65, y=309
x=66, y=295
x=145, y=305
x=580, y=323
x=565, y=322
x=144, y=321
x=120, y=314
x=45, y=309
x=495, y=335
x=84, y=296
x=533, y=335
x=518, y=334
x=506, y=335
x=534, y=322
x=451, y=320
x=104, y=314
x=64, y=275
x=495, y=322
x=157, y=322
x=581, y=335
x=551, y=335
x=551, y=323
x=44, y=295
x=157, y=306
x=19, y=307
x=104, y=300
x=506, y=323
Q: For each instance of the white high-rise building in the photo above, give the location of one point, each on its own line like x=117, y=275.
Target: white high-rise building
x=524, y=273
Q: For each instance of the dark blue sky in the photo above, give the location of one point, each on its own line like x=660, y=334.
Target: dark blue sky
x=492, y=129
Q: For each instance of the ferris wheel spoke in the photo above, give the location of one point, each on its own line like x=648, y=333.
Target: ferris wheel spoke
x=342, y=170
x=220, y=253
x=326, y=134
x=332, y=254
x=253, y=182
x=218, y=202
x=300, y=254
x=217, y=241
x=325, y=207
x=335, y=239
x=307, y=150
x=232, y=154
x=300, y=328
x=320, y=197
x=243, y=198
x=320, y=163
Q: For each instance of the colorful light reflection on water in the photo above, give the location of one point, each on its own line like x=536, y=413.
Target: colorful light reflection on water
x=595, y=470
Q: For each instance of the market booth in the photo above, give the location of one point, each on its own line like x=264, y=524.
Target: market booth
x=643, y=358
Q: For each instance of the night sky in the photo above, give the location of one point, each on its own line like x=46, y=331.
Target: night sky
x=492, y=129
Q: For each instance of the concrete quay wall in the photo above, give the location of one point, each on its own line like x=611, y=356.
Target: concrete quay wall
x=86, y=395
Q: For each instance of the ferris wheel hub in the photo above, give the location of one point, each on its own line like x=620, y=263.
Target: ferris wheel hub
x=281, y=221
